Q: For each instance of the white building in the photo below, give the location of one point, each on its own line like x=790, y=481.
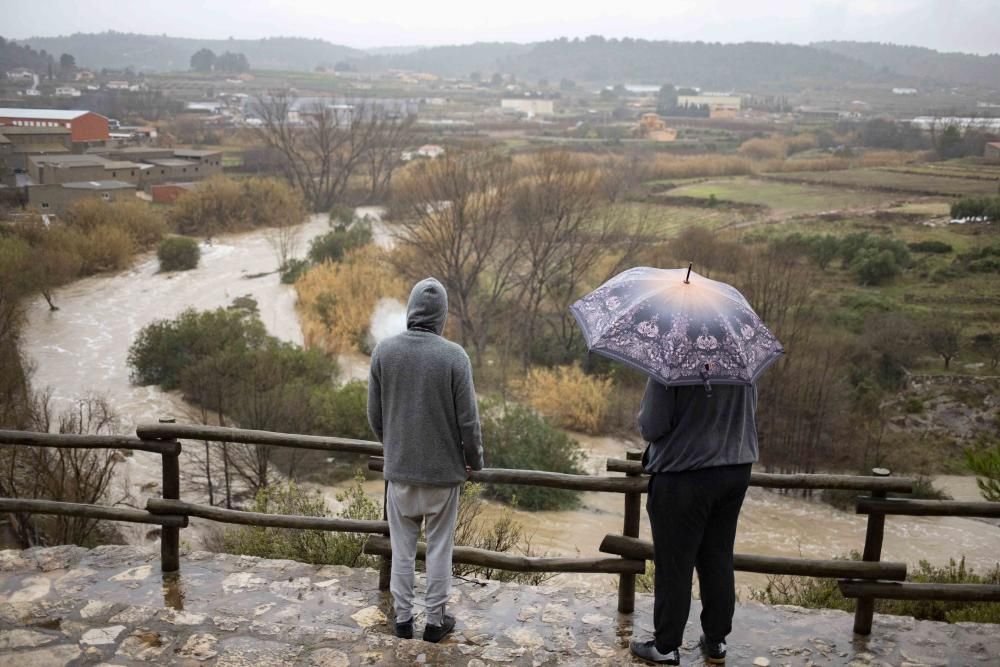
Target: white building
x=904, y=91
x=528, y=106
x=116, y=85
x=67, y=91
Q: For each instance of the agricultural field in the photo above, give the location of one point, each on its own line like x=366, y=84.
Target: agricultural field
x=781, y=197
x=667, y=221
x=915, y=181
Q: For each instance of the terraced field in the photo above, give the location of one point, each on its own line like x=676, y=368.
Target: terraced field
x=903, y=181
x=792, y=198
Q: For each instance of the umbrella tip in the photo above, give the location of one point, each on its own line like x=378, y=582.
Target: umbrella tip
x=687, y=278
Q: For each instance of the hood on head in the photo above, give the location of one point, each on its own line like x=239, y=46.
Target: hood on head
x=428, y=306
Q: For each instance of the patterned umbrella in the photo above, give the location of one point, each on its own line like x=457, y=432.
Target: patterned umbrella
x=679, y=329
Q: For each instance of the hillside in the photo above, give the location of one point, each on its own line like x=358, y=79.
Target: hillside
x=13, y=55
x=163, y=53
x=922, y=64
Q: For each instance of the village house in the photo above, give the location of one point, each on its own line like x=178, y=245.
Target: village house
x=18, y=143
x=57, y=198
x=67, y=91
x=652, y=127
x=529, y=106
x=720, y=105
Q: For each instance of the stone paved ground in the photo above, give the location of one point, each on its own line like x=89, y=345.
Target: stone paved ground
x=111, y=606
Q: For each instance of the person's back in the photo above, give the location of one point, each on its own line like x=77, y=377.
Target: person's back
x=699, y=454
x=422, y=407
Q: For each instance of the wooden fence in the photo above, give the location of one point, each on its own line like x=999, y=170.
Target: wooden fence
x=865, y=580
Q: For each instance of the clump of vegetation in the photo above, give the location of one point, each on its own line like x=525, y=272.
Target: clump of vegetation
x=986, y=208
x=938, y=247
x=293, y=270
x=343, y=411
x=223, y=205
x=308, y=546
x=336, y=299
x=985, y=464
x=568, y=396
x=178, y=253
x=982, y=260
x=519, y=438
x=332, y=246
x=824, y=594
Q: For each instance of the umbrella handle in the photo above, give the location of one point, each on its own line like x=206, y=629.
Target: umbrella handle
x=705, y=380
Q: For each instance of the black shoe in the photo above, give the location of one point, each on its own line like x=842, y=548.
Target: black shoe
x=647, y=651
x=714, y=652
x=435, y=633
x=404, y=630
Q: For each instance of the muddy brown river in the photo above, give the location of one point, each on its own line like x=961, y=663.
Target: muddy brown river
x=83, y=347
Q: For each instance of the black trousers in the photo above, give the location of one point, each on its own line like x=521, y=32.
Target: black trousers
x=693, y=515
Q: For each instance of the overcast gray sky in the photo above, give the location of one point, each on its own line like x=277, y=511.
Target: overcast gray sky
x=950, y=25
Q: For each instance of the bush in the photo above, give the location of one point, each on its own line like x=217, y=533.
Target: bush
x=224, y=205
x=106, y=248
x=141, y=222
x=985, y=464
x=568, y=396
x=308, y=546
x=178, y=253
x=332, y=246
x=293, y=270
x=336, y=300
x=977, y=207
x=939, y=247
x=343, y=411
x=874, y=267
x=518, y=438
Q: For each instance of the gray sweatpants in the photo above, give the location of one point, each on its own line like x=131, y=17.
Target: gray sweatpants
x=406, y=507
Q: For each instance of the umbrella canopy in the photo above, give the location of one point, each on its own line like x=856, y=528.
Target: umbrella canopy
x=678, y=327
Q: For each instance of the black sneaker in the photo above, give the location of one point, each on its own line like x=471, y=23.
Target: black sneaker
x=435, y=633
x=714, y=652
x=404, y=630
x=648, y=652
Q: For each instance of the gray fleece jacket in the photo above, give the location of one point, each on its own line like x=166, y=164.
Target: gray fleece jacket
x=421, y=400
x=687, y=429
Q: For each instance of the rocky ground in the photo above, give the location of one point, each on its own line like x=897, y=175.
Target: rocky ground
x=111, y=606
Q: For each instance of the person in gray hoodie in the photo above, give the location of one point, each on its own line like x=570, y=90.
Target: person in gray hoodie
x=701, y=448
x=422, y=408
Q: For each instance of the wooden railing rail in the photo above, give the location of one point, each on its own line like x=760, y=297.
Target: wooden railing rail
x=907, y=507
x=69, y=441
x=636, y=549
x=801, y=480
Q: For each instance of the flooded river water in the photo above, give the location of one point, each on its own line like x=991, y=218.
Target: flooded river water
x=83, y=347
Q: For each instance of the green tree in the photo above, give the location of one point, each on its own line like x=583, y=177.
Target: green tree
x=203, y=60
x=67, y=63
x=985, y=464
x=178, y=253
x=944, y=335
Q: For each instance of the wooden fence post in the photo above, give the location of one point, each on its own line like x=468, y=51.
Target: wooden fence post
x=865, y=609
x=170, y=538
x=633, y=508
x=385, y=566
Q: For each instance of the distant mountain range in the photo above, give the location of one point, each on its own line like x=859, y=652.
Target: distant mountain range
x=745, y=66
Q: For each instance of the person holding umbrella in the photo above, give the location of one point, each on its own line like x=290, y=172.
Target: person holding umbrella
x=703, y=347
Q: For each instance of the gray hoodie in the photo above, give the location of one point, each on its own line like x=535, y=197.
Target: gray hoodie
x=687, y=429
x=421, y=400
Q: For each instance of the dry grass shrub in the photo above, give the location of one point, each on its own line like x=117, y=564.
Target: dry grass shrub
x=336, y=300
x=143, y=224
x=568, y=396
x=771, y=148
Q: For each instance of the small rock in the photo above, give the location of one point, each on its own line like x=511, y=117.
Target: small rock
x=144, y=645
x=33, y=588
x=761, y=661
x=242, y=581
x=329, y=657
x=596, y=619
x=600, y=648
x=46, y=657
x=524, y=636
x=133, y=614
x=19, y=638
x=556, y=613
x=199, y=647
x=527, y=613
x=101, y=636
x=476, y=662
x=134, y=574
x=175, y=617
x=368, y=617
x=96, y=608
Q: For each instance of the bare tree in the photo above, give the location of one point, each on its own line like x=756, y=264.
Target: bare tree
x=944, y=335
x=454, y=223
x=71, y=475
x=323, y=145
x=384, y=156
